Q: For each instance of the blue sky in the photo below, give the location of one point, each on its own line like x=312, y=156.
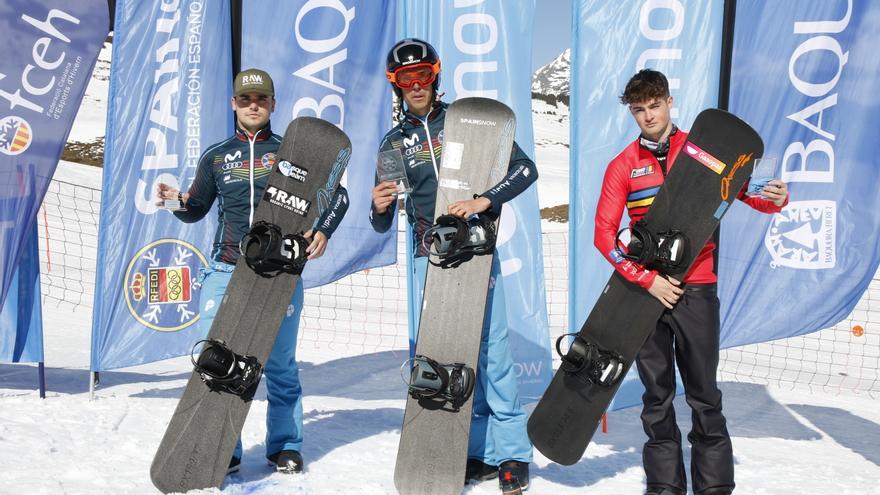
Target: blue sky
x=552, y=30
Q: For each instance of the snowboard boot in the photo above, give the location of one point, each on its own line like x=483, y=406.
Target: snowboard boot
x=513, y=477
x=478, y=471
x=663, y=490
x=717, y=490
x=287, y=461
x=234, y=464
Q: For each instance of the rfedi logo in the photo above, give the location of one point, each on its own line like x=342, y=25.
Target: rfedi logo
x=803, y=235
x=287, y=200
x=159, y=289
x=15, y=135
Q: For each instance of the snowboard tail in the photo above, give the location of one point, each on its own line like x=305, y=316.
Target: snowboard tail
x=201, y=436
x=711, y=169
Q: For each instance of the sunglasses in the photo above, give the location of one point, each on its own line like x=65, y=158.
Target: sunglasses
x=407, y=77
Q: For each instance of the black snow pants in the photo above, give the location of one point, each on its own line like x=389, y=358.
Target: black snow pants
x=689, y=335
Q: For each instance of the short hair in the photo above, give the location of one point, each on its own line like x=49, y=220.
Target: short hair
x=646, y=84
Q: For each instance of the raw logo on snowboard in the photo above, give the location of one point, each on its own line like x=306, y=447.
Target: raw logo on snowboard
x=287, y=201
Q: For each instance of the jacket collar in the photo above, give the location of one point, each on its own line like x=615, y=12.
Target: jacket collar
x=413, y=120
x=659, y=148
x=262, y=135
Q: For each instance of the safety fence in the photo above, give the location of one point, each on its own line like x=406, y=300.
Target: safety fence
x=366, y=311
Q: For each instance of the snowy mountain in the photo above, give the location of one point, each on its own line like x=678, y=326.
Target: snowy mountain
x=553, y=78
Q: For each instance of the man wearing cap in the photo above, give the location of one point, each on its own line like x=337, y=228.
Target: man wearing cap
x=236, y=171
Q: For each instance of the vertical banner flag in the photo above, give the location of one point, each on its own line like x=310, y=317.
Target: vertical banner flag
x=170, y=85
x=49, y=51
x=486, y=47
x=805, y=75
x=327, y=60
x=611, y=42
x=21, y=319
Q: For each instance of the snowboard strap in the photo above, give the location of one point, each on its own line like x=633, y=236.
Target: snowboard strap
x=663, y=251
x=586, y=360
x=455, y=240
x=269, y=252
x=223, y=370
x=440, y=383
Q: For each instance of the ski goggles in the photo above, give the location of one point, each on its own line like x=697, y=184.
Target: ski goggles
x=406, y=77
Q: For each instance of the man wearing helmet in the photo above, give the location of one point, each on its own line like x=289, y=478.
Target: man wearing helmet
x=499, y=445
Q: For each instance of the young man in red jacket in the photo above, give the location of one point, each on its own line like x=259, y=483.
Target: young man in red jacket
x=688, y=333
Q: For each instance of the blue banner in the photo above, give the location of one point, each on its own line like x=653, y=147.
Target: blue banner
x=21, y=319
x=486, y=47
x=805, y=75
x=50, y=49
x=170, y=87
x=329, y=61
x=611, y=42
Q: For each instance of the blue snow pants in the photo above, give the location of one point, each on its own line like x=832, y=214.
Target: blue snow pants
x=498, y=425
x=284, y=418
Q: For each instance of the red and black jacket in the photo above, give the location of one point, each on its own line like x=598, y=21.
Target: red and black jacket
x=632, y=180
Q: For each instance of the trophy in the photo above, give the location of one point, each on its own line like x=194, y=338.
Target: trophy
x=389, y=166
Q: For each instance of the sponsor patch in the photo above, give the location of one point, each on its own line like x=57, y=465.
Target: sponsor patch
x=287, y=200
x=268, y=160
x=455, y=184
x=452, y=154
x=288, y=169
x=705, y=158
x=616, y=257
x=488, y=123
x=641, y=172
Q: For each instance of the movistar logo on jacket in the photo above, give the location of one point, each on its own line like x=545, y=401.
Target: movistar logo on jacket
x=287, y=200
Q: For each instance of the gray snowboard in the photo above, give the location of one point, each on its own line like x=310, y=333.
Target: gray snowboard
x=477, y=142
x=201, y=437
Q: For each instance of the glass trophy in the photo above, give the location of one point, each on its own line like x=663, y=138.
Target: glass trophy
x=763, y=173
x=172, y=204
x=390, y=168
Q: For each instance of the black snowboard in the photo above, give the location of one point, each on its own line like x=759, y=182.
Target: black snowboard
x=711, y=169
x=477, y=142
x=201, y=437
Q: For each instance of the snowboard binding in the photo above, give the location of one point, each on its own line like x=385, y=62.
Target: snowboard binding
x=440, y=383
x=663, y=251
x=455, y=240
x=223, y=370
x=269, y=252
x=587, y=361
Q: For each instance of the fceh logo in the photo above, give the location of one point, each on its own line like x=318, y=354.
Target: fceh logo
x=37, y=78
x=803, y=235
x=15, y=135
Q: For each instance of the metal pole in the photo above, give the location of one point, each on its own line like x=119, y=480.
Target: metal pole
x=727, y=31
x=42, y=371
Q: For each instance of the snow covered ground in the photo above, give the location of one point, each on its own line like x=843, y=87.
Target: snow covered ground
x=785, y=442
